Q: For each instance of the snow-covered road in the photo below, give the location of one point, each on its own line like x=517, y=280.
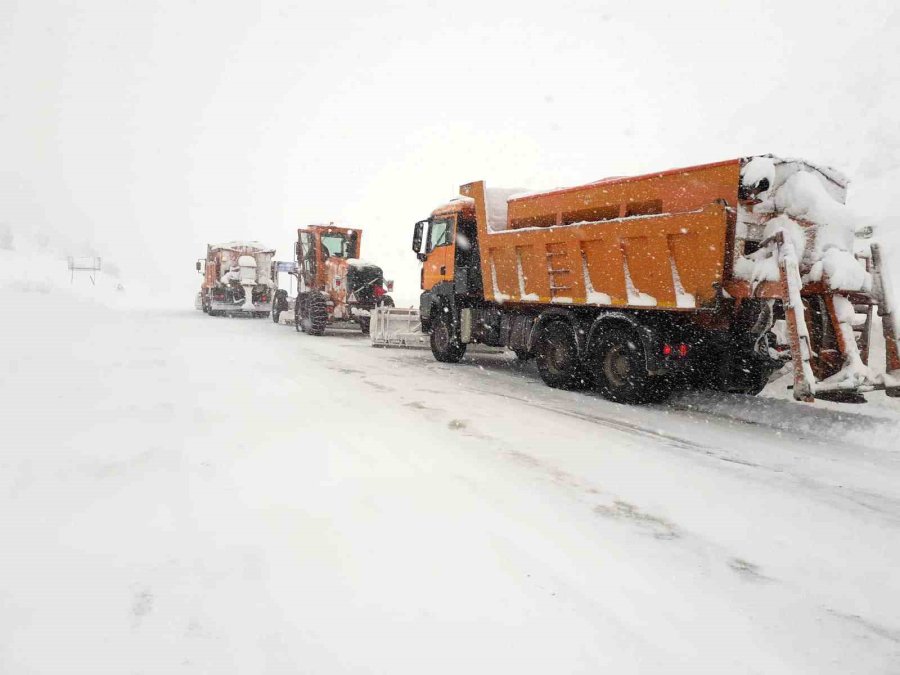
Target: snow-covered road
x=180, y=493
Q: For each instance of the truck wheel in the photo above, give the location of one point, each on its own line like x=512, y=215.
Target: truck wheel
x=314, y=317
x=747, y=376
x=620, y=369
x=277, y=303
x=299, y=305
x=557, y=357
x=522, y=354
x=445, y=344
x=364, y=324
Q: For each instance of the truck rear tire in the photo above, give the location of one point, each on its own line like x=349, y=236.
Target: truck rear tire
x=620, y=369
x=314, y=314
x=746, y=376
x=445, y=344
x=557, y=357
x=279, y=304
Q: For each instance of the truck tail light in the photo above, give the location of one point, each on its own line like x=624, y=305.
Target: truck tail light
x=678, y=351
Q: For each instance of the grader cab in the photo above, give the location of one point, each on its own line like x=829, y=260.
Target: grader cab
x=335, y=286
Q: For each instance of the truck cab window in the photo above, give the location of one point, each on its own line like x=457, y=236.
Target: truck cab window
x=439, y=233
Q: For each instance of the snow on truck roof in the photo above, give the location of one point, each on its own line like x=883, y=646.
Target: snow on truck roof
x=753, y=169
x=830, y=174
x=241, y=245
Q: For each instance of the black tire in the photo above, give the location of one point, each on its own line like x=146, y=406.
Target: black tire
x=364, y=324
x=299, y=308
x=279, y=304
x=620, y=369
x=557, y=357
x=747, y=376
x=522, y=354
x=445, y=344
x=314, y=314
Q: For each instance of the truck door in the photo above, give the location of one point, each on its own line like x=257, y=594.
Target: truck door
x=307, y=259
x=439, y=251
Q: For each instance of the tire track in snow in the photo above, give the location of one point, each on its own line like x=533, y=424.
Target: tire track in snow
x=885, y=507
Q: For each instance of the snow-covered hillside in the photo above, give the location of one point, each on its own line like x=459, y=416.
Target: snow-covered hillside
x=182, y=493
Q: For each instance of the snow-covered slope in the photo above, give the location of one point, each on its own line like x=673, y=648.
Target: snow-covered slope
x=40, y=270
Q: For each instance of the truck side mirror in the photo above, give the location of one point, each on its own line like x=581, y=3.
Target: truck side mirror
x=199, y=266
x=297, y=252
x=418, y=231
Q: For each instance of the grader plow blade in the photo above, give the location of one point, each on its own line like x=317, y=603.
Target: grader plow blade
x=397, y=327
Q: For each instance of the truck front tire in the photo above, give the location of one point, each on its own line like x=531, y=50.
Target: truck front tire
x=445, y=344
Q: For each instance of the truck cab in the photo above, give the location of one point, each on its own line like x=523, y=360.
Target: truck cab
x=447, y=245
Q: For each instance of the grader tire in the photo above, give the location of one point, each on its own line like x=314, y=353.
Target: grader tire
x=315, y=315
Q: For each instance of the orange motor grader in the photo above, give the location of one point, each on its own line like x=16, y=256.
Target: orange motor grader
x=335, y=286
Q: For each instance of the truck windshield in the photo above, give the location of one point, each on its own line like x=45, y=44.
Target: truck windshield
x=439, y=233
x=336, y=244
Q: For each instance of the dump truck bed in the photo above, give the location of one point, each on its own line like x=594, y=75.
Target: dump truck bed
x=661, y=240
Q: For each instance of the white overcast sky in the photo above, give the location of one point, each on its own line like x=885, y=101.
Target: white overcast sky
x=145, y=129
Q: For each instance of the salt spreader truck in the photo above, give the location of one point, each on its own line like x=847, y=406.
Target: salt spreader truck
x=236, y=279
x=709, y=276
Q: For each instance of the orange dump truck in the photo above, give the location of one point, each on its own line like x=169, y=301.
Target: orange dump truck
x=709, y=276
